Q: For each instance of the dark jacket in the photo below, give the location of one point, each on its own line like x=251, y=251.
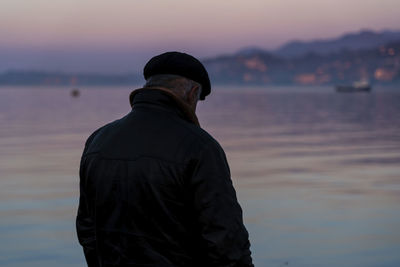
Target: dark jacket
x=155, y=190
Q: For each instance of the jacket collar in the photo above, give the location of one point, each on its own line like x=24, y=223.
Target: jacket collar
x=160, y=96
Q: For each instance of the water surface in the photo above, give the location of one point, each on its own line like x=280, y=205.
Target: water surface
x=317, y=172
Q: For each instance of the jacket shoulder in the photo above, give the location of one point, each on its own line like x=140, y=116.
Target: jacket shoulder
x=204, y=139
x=100, y=131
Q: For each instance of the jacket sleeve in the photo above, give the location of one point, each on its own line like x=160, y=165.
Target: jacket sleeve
x=85, y=217
x=223, y=235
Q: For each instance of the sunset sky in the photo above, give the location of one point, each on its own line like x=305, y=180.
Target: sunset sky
x=121, y=35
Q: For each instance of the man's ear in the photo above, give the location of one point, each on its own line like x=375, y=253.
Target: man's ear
x=194, y=94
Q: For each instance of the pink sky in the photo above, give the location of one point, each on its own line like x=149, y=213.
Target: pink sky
x=44, y=29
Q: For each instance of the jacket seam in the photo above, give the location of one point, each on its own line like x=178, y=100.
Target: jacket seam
x=101, y=157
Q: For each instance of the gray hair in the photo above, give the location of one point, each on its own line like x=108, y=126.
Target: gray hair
x=177, y=84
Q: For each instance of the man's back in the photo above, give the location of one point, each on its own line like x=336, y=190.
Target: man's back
x=158, y=193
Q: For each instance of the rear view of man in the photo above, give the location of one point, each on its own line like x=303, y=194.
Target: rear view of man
x=155, y=189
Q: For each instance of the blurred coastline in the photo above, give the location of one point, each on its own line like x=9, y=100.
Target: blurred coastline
x=361, y=56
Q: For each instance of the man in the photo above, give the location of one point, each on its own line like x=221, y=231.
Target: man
x=155, y=189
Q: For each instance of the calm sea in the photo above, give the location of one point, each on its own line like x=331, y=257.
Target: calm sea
x=316, y=172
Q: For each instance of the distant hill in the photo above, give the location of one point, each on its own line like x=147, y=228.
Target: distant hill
x=352, y=41
x=66, y=79
x=367, y=55
x=380, y=64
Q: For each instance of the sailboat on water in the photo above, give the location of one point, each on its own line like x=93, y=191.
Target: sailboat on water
x=360, y=86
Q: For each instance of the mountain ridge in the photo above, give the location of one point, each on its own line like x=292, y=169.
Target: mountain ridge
x=380, y=64
x=363, y=39
x=369, y=58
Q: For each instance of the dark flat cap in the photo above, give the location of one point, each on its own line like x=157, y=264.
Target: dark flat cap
x=181, y=64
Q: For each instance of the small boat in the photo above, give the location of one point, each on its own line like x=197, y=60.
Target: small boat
x=75, y=92
x=356, y=87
